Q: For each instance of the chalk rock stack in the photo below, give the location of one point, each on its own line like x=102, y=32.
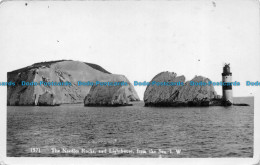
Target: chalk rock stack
x=119, y=95
x=180, y=95
x=108, y=96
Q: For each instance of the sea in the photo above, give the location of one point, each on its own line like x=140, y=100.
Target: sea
x=72, y=130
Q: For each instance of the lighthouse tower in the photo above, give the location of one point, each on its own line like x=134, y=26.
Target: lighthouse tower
x=227, y=85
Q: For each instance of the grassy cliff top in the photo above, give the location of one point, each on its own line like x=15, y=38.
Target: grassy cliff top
x=48, y=63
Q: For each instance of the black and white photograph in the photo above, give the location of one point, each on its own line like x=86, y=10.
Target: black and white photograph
x=94, y=80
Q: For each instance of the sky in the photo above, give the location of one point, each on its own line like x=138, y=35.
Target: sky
x=138, y=39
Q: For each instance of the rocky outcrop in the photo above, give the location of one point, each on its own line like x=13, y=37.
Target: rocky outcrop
x=60, y=72
x=180, y=95
x=108, y=96
x=46, y=99
x=119, y=95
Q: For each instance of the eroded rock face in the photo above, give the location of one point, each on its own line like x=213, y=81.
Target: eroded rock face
x=180, y=95
x=108, y=96
x=119, y=95
x=57, y=71
x=46, y=99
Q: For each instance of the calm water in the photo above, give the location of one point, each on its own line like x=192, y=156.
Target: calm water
x=197, y=132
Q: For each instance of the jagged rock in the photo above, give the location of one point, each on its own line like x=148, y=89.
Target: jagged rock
x=46, y=99
x=180, y=95
x=58, y=71
x=108, y=96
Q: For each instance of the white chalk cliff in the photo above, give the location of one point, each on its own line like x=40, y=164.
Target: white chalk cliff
x=59, y=71
x=178, y=95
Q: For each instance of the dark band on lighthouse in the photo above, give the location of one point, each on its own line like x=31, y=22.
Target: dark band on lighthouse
x=227, y=85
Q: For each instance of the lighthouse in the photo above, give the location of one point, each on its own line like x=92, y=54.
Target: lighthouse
x=227, y=85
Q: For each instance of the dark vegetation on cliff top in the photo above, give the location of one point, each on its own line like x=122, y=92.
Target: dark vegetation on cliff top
x=48, y=63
